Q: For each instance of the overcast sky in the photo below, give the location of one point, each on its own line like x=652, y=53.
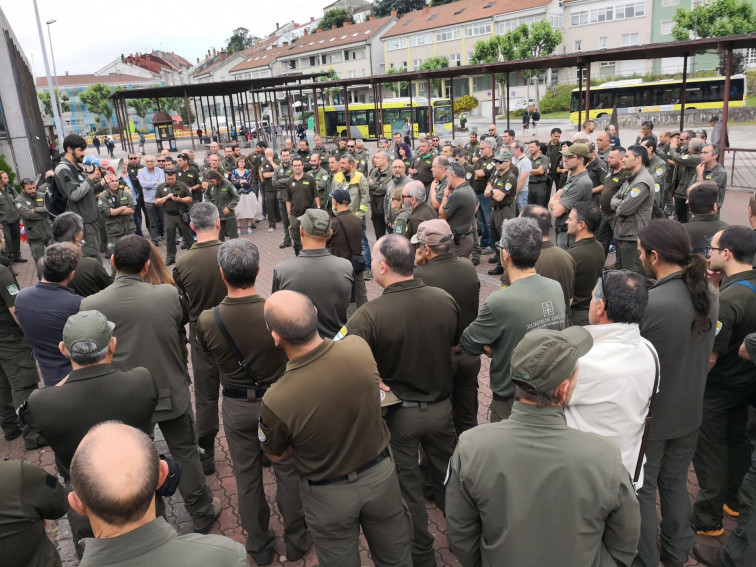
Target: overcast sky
x=88, y=34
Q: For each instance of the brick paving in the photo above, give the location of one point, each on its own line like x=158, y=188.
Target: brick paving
x=222, y=483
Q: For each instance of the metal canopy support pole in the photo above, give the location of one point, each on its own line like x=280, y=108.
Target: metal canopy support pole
x=588, y=90
x=204, y=120
x=258, y=125
x=493, y=98
x=412, y=114
x=682, y=92
x=225, y=115
x=189, y=117
x=452, y=104
x=215, y=111
x=379, y=90
x=290, y=103
x=725, y=105
x=506, y=85
x=116, y=107
x=196, y=113
x=580, y=96
x=430, y=108
x=315, y=111
x=130, y=142
x=276, y=118
x=233, y=114
x=346, y=112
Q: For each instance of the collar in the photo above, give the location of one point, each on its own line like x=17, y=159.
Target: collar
x=89, y=372
x=578, y=176
x=670, y=277
x=128, y=277
x=584, y=241
x=744, y=275
x=207, y=244
x=121, y=548
x=533, y=415
x=430, y=153
x=443, y=258
x=404, y=286
x=314, y=252
x=242, y=300
x=55, y=286
x=547, y=244
x=614, y=332
x=306, y=359
x=706, y=217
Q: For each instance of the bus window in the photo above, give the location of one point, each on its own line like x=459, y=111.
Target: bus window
x=737, y=89
x=442, y=114
x=358, y=118
x=625, y=98
x=331, y=123
x=670, y=95
x=421, y=119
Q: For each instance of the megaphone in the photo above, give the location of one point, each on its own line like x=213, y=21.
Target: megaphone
x=113, y=166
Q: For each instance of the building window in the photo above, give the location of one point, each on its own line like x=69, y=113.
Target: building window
x=421, y=39
x=481, y=83
x=668, y=3
x=416, y=64
x=455, y=59
x=448, y=34
x=469, y=57
x=608, y=14
x=396, y=43
x=313, y=60
x=629, y=39
x=556, y=20
x=607, y=69
x=509, y=25
x=666, y=27
x=579, y=45
x=480, y=28
x=352, y=74
x=603, y=42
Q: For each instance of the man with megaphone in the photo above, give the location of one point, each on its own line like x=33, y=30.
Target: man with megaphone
x=80, y=190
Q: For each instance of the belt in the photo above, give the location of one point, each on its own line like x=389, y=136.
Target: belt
x=243, y=393
x=463, y=234
x=499, y=398
x=383, y=455
x=498, y=207
x=411, y=404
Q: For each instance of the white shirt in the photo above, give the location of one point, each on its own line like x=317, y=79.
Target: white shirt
x=614, y=388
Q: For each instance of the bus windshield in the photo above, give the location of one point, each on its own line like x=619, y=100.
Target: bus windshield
x=442, y=114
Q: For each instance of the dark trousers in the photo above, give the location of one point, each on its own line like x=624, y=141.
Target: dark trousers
x=181, y=439
x=138, y=210
x=498, y=216
x=628, y=256
x=433, y=426
x=90, y=248
x=366, y=247
x=271, y=209
x=206, y=394
x=464, y=391
x=153, y=214
x=605, y=231
x=228, y=228
x=379, y=224
x=666, y=468
x=296, y=241
x=240, y=420
x=539, y=193
x=500, y=409
x=681, y=209
x=373, y=501
x=18, y=379
x=174, y=222
x=285, y=218
x=740, y=549
x=12, y=232
x=721, y=459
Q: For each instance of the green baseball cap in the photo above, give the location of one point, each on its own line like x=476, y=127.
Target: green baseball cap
x=543, y=359
x=503, y=156
x=88, y=326
x=577, y=149
x=316, y=222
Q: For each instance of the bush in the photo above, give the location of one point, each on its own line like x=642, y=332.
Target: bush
x=7, y=169
x=465, y=103
x=557, y=99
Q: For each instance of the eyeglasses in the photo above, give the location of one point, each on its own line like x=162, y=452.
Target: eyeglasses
x=708, y=250
x=133, y=158
x=161, y=161
x=405, y=196
x=349, y=146
x=492, y=129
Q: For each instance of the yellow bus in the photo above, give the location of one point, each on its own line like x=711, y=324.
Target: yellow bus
x=364, y=118
x=633, y=95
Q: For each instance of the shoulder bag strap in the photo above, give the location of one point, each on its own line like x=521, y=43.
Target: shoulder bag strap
x=234, y=348
x=649, y=417
x=346, y=236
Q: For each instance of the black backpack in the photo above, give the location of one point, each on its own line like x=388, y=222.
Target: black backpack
x=56, y=202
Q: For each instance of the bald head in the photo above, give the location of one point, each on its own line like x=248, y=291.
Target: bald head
x=115, y=473
x=292, y=316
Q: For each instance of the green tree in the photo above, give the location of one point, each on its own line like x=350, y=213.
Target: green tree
x=239, y=41
x=142, y=107
x=382, y=8
x=337, y=16
x=96, y=100
x=44, y=96
x=435, y=63
x=715, y=19
x=397, y=87
x=435, y=3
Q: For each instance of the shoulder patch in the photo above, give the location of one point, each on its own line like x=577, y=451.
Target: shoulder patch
x=341, y=334
x=719, y=328
x=260, y=435
x=634, y=192
x=659, y=171
x=12, y=289
x=398, y=229
x=18, y=205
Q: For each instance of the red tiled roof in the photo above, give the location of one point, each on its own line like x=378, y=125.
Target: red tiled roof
x=261, y=58
x=340, y=36
x=457, y=13
x=111, y=79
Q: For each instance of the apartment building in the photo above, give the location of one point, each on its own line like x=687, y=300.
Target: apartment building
x=662, y=22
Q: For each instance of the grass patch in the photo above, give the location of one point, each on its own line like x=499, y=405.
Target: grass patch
x=751, y=101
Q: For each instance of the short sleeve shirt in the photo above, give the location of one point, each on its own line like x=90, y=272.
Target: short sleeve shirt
x=578, y=188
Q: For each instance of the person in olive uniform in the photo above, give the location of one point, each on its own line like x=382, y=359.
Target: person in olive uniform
x=117, y=211
x=704, y=222
x=325, y=414
x=92, y=393
x=378, y=181
x=413, y=200
x=437, y=266
x=281, y=175
x=301, y=193
x=420, y=170
x=484, y=167
x=80, y=189
x=417, y=366
x=503, y=495
x=267, y=170
x=114, y=464
x=686, y=160
x=305, y=154
x=458, y=208
x=589, y=258
x=710, y=170
x=614, y=180
x=196, y=275
x=9, y=218
x=189, y=175
x=539, y=183
x=579, y=187
x=28, y=497
x=321, y=177
x=657, y=167
x=31, y=207
x=400, y=224
x=346, y=239
x=501, y=189
x=222, y=193
x=147, y=319
x=361, y=155
x=18, y=370
x=471, y=147
x=176, y=199
x=723, y=449
x=241, y=315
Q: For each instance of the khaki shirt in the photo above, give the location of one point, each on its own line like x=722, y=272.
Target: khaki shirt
x=118, y=225
x=170, y=206
x=301, y=193
x=378, y=182
x=281, y=179
x=423, y=166
x=8, y=212
x=35, y=216
x=223, y=196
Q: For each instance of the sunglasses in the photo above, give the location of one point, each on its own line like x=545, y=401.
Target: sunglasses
x=161, y=161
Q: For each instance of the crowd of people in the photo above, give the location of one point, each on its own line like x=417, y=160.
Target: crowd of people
x=606, y=383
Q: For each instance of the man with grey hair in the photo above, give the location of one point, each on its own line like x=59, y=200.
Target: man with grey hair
x=378, y=182
x=686, y=160
x=197, y=276
x=244, y=382
x=523, y=167
x=413, y=199
x=530, y=302
x=93, y=392
x=438, y=185
x=458, y=209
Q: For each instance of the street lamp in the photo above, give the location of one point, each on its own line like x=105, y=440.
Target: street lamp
x=53, y=96
x=55, y=74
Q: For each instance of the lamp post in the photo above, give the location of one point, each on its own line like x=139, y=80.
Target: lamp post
x=53, y=97
x=55, y=74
